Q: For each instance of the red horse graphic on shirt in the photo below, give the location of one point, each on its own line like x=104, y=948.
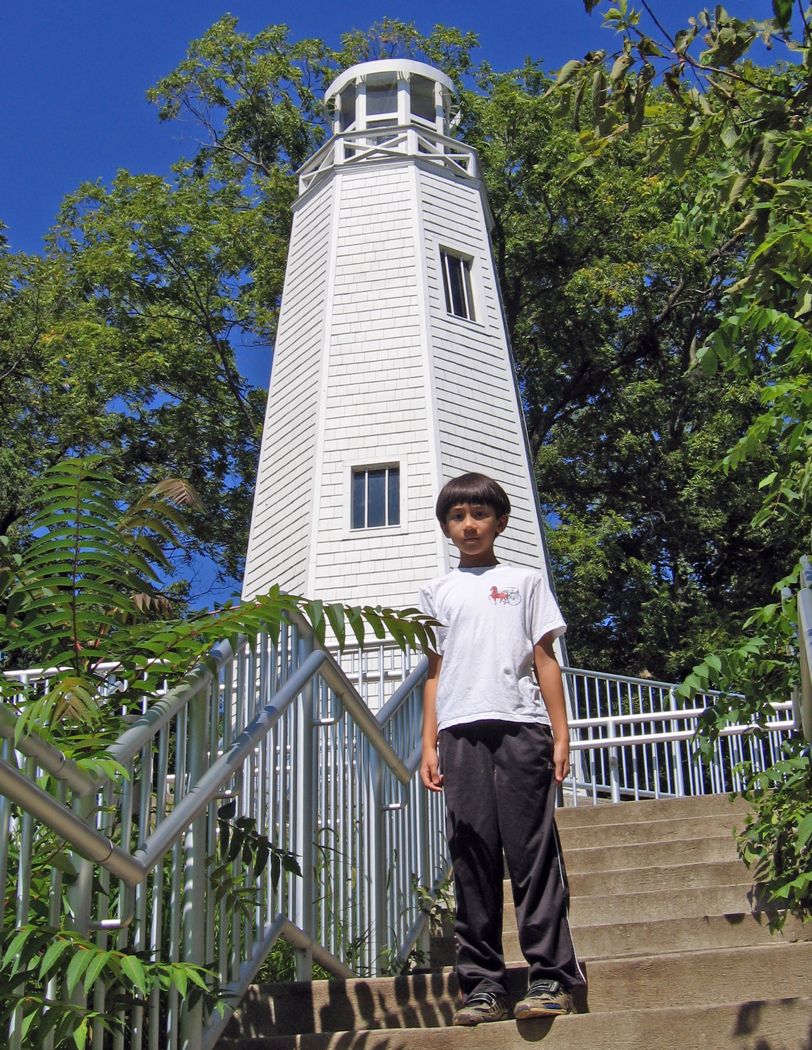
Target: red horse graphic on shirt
x=509, y=596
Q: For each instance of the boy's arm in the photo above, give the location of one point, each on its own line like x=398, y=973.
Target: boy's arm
x=429, y=765
x=552, y=691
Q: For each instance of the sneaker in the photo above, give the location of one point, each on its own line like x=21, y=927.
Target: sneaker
x=544, y=999
x=481, y=1006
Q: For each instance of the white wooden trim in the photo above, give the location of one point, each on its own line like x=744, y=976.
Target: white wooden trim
x=315, y=503
x=427, y=339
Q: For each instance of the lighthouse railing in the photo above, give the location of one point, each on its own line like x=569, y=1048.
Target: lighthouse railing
x=387, y=143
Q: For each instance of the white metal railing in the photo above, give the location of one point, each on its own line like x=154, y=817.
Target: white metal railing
x=631, y=739
x=387, y=143
x=279, y=734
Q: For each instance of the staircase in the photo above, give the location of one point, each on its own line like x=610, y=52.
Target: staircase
x=675, y=952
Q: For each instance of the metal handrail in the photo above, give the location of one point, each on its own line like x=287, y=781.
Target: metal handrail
x=50, y=758
x=133, y=869
x=236, y=990
x=403, y=692
x=622, y=679
x=681, y=714
x=162, y=712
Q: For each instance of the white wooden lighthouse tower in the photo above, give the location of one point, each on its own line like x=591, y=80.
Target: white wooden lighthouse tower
x=392, y=371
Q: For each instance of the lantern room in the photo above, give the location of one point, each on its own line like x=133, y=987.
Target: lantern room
x=391, y=93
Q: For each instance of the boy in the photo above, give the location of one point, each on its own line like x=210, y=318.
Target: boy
x=501, y=752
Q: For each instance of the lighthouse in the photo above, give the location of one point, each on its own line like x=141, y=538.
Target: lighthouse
x=392, y=370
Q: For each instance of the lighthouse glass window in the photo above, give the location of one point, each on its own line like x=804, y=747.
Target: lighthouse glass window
x=375, y=497
x=382, y=102
x=459, y=299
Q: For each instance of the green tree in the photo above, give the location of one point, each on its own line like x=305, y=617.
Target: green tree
x=754, y=121
x=606, y=299
x=122, y=340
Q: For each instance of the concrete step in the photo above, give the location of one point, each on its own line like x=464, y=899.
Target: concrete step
x=677, y=877
x=586, y=836
x=685, y=980
x=660, y=936
x=663, y=936
x=645, y=854
x=690, y=978
x=650, y=809
x=662, y=904
x=765, y=1024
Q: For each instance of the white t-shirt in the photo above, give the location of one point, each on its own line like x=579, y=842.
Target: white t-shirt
x=492, y=617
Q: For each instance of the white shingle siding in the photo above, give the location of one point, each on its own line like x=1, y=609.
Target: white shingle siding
x=277, y=547
x=476, y=402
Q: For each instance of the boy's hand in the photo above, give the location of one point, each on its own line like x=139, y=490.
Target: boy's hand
x=561, y=759
x=430, y=769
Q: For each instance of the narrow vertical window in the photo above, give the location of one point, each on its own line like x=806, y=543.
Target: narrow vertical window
x=459, y=300
x=375, y=497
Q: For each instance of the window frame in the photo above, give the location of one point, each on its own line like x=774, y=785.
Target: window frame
x=466, y=283
x=357, y=469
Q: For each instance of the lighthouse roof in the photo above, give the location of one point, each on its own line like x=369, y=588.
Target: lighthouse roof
x=402, y=67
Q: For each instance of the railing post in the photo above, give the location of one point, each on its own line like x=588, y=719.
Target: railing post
x=194, y=870
x=614, y=765
x=679, y=779
x=377, y=866
x=304, y=802
x=428, y=876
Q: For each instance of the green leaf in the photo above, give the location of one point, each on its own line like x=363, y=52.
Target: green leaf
x=14, y=950
x=782, y=9
x=133, y=968
x=335, y=614
x=196, y=977
x=53, y=954
x=568, y=71
x=805, y=830
x=76, y=968
x=356, y=620
x=619, y=67
x=598, y=97
x=80, y=1033
x=729, y=134
x=375, y=621
x=715, y=662
x=180, y=979
x=95, y=967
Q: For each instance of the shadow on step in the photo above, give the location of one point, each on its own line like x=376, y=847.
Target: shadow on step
x=750, y=1022
x=419, y=1000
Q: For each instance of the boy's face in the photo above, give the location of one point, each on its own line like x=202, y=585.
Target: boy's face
x=473, y=528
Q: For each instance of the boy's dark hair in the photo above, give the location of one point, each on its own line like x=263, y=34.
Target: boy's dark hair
x=472, y=488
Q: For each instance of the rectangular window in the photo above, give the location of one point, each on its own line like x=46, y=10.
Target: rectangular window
x=382, y=103
x=422, y=99
x=459, y=299
x=375, y=497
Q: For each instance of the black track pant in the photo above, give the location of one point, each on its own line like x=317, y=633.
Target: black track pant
x=500, y=795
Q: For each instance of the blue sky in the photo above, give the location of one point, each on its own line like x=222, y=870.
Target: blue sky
x=73, y=75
